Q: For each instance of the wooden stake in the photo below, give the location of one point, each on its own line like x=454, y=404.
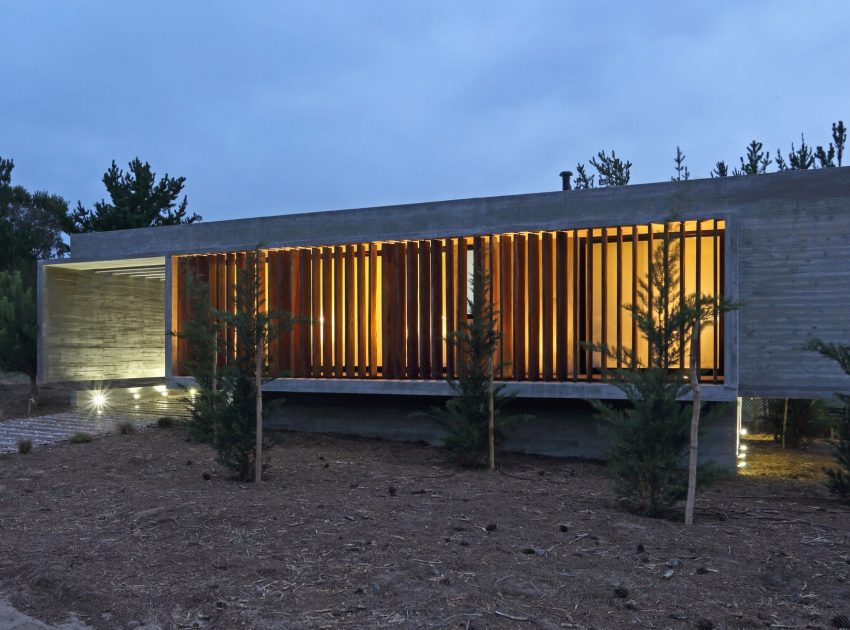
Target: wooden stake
x=694, y=450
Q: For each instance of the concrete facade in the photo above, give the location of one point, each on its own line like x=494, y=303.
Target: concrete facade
x=786, y=258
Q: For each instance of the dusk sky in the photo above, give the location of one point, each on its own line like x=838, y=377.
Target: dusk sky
x=278, y=107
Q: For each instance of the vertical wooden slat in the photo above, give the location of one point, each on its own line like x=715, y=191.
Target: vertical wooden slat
x=316, y=311
x=698, y=286
x=561, y=354
x=374, y=322
x=589, y=290
x=461, y=305
x=496, y=300
x=363, y=289
x=450, y=310
x=388, y=326
x=436, y=309
x=302, y=366
x=327, y=319
x=286, y=305
x=603, y=356
x=520, y=302
x=231, y=305
x=295, y=289
x=682, y=272
x=221, y=305
x=339, y=311
x=401, y=319
x=506, y=314
x=425, y=309
x=577, y=307
x=650, y=247
x=350, y=290
x=413, y=322
x=182, y=313
x=547, y=291
x=635, y=340
x=619, y=298
x=273, y=300
x=533, y=307
x=718, y=291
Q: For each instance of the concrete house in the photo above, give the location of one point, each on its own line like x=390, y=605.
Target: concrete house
x=382, y=287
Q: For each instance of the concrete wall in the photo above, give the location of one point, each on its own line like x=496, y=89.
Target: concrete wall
x=99, y=326
x=562, y=428
x=793, y=283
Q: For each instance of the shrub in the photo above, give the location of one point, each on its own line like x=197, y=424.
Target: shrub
x=838, y=479
x=466, y=416
x=806, y=418
x=166, y=422
x=648, y=440
x=80, y=437
x=125, y=427
x=24, y=446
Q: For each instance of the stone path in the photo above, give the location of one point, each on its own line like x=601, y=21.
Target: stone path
x=57, y=427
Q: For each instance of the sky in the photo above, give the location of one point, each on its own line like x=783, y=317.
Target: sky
x=278, y=107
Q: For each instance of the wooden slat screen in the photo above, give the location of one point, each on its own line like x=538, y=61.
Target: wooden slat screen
x=383, y=310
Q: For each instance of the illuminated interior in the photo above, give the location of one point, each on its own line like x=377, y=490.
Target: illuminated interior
x=383, y=309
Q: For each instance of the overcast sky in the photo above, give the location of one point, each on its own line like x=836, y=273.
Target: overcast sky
x=277, y=107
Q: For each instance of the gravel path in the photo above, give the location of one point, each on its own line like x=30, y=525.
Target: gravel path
x=43, y=430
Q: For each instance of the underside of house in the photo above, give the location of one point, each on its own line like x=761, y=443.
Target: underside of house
x=377, y=290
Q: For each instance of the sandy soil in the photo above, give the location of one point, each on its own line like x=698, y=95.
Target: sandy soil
x=351, y=533
x=14, y=399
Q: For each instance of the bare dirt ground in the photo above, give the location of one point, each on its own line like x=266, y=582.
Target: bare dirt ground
x=14, y=399
x=351, y=533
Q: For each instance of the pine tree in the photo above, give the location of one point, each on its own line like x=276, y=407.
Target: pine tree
x=612, y=170
x=18, y=330
x=757, y=160
x=137, y=201
x=650, y=436
x=838, y=479
x=825, y=157
x=801, y=159
x=720, y=169
x=583, y=180
x=474, y=416
x=228, y=407
x=682, y=173
x=839, y=137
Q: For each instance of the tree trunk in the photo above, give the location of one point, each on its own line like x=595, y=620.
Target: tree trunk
x=491, y=421
x=694, y=449
x=258, y=381
x=33, y=387
x=784, y=423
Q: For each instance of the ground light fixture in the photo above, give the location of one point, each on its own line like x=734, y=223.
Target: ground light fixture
x=98, y=400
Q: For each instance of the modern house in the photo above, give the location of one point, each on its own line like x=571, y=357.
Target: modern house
x=382, y=286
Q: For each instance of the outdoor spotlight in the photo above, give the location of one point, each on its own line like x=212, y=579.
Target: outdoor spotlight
x=136, y=396
x=164, y=392
x=193, y=392
x=98, y=400
x=743, y=431
x=742, y=464
x=743, y=447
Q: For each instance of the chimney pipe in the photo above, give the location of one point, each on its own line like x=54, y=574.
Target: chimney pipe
x=565, y=180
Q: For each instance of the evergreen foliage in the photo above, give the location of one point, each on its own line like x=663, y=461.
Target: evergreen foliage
x=721, y=169
x=682, y=172
x=224, y=409
x=649, y=437
x=612, y=170
x=465, y=416
x=838, y=478
x=757, y=160
x=839, y=137
x=18, y=328
x=582, y=179
x=137, y=200
x=30, y=225
x=800, y=159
